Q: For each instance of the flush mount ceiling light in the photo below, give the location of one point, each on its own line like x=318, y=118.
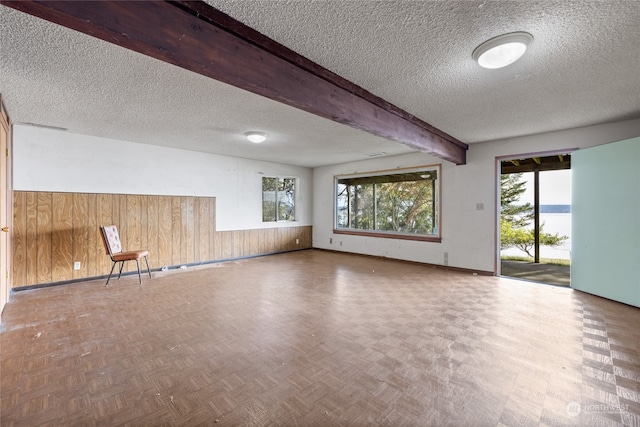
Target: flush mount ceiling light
x=256, y=137
x=503, y=50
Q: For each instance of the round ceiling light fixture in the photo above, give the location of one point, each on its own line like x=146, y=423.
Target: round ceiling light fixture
x=256, y=137
x=503, y=50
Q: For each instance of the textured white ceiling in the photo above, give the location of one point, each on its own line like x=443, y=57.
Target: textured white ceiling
x=581, y=69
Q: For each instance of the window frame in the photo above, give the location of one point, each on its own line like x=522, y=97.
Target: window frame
x=436, y=238
x=295, y=198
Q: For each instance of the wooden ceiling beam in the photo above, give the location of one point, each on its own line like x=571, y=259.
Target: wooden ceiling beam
x=202, y=39
x=549, y=163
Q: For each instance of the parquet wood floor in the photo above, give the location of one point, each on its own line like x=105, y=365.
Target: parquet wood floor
x=316, y=338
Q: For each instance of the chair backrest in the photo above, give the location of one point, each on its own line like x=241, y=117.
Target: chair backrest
x=111, y=239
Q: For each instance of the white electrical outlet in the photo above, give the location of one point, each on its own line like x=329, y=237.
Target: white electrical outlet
x=446, y=258
x=76, y=265
x=297, y=241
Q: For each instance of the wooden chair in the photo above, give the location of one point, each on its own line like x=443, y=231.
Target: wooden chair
x=112, y=245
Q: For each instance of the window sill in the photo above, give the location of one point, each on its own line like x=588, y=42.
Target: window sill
x=381, y=234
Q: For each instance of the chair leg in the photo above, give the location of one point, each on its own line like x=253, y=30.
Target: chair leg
x=120, y=273
x=148, y=269
x=139, y=275
x=109, y=278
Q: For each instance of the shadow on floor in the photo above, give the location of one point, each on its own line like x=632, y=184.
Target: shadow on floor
x=544, y=273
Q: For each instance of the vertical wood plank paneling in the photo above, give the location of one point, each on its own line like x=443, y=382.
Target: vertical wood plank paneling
x=217, y=245
x=285, y=239
x=238, y=243
x=197, y=245
x=117, y=201
x=309, y=237
x=290, y=243
x=254, y=241
x=226, y=241
x=105, y=212
x=165, y=234
x=283, y=234
x=279, y=239
x=220, y=245
x=262, y=249
x=153, y=239
x=19, y=240
x=130, y=220
x=293, y=235
x=130, y=224
x=246, y=243
x=134, y=222
x=304, y=237
x=237, y=246
x=62, y=237
x=32, y=238
x=272, y=240
x=183, y=230
x=233, y=244
x=212, y=228
x=144, y=222
x=291, y=238
x=43, y=230
x=94, y=245
x=52, y=230
x=80, y=235
x=188, y=229
x=176, y=227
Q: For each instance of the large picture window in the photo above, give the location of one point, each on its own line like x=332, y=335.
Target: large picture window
x=398, y=204
x=278, y=199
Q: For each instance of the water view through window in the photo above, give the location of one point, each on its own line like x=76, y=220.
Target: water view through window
x=555, y=211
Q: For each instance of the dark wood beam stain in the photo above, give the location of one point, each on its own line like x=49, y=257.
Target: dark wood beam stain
x=197, y=37
x=549, y=163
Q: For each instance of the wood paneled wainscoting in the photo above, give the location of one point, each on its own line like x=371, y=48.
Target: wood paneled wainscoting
x=54, y=230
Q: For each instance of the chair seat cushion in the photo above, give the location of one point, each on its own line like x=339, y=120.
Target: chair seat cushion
x=126, y=256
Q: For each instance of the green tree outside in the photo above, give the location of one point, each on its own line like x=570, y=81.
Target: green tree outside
x=511, y=188
x=406, y=205
x=515, y=218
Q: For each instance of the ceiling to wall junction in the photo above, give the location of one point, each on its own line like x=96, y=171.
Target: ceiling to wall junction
x=580, y=70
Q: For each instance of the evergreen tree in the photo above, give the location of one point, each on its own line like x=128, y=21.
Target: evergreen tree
x=515, y=218
x=511, y=188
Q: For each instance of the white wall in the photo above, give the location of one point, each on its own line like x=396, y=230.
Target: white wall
x=49, y=160
x=57, y=161
x=468, y=234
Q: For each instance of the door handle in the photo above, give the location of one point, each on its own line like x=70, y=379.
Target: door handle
x=5, y=229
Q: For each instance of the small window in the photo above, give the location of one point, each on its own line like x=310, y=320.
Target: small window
x=393, y=204
x=278, y=199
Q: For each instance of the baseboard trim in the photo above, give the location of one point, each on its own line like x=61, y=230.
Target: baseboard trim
x=135, y=273
x=438, y=266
